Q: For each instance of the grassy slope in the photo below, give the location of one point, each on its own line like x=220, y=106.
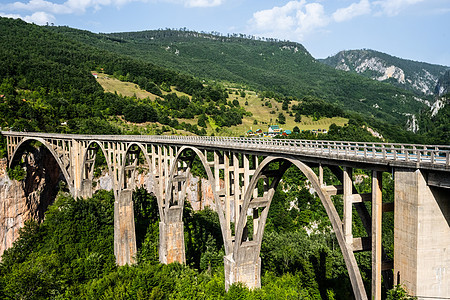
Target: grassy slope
x=260, y=112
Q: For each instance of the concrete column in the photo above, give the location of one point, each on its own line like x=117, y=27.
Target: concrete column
x=76, y=165
x=171, y=237
x=348, y=204
x=421, y=236
x=124, y=232
x=377, y=206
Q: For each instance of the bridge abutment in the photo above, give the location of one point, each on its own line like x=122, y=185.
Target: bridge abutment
x=171, y=237
x=124, y=231
x=421, y=235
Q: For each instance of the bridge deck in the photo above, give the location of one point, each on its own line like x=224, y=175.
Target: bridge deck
x=384, y=155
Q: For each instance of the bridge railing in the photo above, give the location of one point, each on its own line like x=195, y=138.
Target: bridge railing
x=431, y=154
x=434, y=154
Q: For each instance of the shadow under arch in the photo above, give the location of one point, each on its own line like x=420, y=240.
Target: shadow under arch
x=89, y=154
x=86, y=154
x=26, y=142
x=241, y=245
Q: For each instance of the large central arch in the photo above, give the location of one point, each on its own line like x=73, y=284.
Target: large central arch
x=241, y=246
x=242, y=261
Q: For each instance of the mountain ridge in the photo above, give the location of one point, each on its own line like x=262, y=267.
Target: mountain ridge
x=420, y=77
x=283, y=67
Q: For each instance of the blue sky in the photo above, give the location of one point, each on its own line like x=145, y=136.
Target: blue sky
x=412, y=29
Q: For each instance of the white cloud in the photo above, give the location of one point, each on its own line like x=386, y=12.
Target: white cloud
x=354, y=10
x=393, y=7
x=40, y=18
x=203, y=3
x=293, y=20
x=68, y=7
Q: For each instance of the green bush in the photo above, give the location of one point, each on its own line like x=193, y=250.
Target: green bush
x=17, y=173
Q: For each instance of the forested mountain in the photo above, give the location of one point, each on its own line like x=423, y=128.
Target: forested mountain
x=419, y=77
x=269, y=65
x=47, y=85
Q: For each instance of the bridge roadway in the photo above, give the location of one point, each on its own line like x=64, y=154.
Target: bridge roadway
x=243, y=174
x=384, y=155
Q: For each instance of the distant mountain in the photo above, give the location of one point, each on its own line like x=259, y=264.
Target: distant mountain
x=419, y=77
x=283, y=67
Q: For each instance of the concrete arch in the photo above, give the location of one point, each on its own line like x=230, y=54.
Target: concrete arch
x=201, y=156
x=105, y=153
x=127, y=150
x=60, y=163
x=347, y=251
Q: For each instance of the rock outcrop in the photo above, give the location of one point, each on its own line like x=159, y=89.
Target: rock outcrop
x=27, y=199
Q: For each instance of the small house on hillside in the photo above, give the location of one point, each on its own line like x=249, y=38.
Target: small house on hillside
x=286, y=132
x=250, y=133
x=274, y=130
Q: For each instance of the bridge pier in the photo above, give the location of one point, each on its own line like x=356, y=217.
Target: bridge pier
x=245, y=268
x=86, y=189
x=124, y=232
x=171, y=237
x=421, y=235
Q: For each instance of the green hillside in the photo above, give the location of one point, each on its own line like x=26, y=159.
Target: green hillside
x=268, y=65
x=46, y=85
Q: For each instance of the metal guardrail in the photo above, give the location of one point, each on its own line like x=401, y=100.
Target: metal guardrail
x=437, y=155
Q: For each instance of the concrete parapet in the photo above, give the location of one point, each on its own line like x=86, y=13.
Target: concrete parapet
x=421, y=236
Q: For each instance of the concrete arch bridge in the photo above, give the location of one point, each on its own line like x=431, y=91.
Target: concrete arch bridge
x=244, y=173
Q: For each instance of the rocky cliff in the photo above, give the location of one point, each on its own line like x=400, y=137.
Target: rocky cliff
x=27, y=199
x=411, y=75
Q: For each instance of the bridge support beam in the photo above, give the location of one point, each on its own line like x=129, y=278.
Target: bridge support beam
x=124, y=231
x=421, y=235
x=171, y=237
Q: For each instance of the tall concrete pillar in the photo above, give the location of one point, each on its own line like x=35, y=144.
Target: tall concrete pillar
x=124, y=232
x=421, y=236
x=171, y=237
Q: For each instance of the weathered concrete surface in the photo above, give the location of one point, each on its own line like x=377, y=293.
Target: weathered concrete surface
x=199, y=193
x=421, y=236
x=171, y=237
x=124, y=230
x=246, y=268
